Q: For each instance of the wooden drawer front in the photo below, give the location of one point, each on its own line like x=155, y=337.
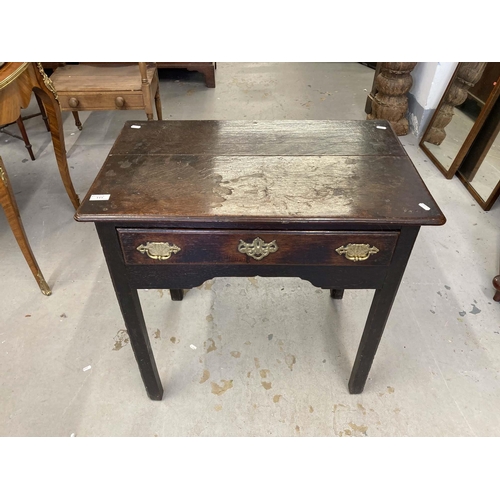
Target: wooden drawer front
x=100, y=100
x=170, y=247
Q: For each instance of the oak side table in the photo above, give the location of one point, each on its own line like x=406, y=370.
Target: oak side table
x=337, y=203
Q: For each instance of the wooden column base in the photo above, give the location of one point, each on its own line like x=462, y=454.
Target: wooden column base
x=390, y=102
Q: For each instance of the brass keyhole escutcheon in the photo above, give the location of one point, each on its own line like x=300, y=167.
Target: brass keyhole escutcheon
x=258, y=249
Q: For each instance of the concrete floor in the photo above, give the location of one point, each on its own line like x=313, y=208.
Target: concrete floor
x=272, y=356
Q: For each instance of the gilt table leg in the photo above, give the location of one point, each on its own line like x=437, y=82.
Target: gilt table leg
x=9, y=205
x=56, y=130
x=380, y=310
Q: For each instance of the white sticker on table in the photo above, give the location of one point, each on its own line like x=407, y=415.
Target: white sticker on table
x=135, y=126
x=99, y=197
x=424, y=206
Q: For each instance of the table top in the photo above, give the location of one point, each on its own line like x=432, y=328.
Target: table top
x=209, y=172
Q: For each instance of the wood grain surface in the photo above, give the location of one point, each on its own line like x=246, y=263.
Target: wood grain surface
x=83, y=77
x=259, y=138
x=211, y=171
x=221, y=247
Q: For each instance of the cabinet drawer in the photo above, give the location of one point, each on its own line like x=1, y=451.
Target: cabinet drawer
x=170, y=247
x=100, y=100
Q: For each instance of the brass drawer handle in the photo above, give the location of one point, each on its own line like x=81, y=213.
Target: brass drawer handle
x=158, y=250
x=258, y=249
x=357, y=251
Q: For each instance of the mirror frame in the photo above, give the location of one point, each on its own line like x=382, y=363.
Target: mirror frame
x=464, y=149
x=479, y=150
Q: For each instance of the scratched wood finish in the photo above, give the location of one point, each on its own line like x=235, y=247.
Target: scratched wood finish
x=255, y=138
x=330, y=188
x=283, y=179
x=221, y=247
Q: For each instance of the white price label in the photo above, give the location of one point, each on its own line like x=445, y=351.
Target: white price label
x=99, y=197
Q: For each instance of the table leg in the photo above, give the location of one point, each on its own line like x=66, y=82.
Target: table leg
x=176, y=293
x=496, y=284
x=336, y=294
x=158, y=104
x=8, y=203
x=24, y=135
x=78, y=123
x=209, y=73
x=56, y=130
x=130, y=306
x=42, y=112
x=380, y=310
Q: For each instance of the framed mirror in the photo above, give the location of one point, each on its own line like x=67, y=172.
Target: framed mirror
x=480, y=169
x=460, y=115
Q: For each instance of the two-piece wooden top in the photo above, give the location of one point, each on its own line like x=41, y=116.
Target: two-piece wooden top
x=205, y=172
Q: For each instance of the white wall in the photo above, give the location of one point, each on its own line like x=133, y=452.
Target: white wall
x=430, y=80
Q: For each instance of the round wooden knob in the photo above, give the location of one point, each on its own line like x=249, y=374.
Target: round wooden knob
x=119, y=101
x=73, y=102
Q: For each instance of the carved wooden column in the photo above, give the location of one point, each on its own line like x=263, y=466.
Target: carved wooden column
x=467, y=76
x=390, y=102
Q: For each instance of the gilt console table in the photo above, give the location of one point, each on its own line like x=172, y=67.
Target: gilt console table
x=337, y=203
